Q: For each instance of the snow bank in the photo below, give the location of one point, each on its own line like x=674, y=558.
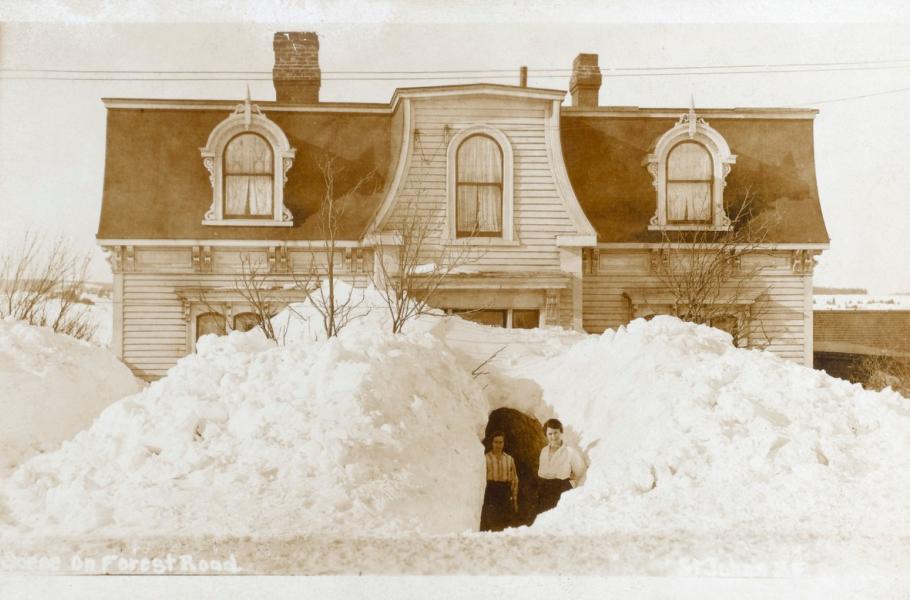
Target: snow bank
x=368, y=433
x=684, y=432
x=51, y=387
x=371, y=433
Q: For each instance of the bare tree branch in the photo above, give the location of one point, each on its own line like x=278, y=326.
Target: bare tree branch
x=415, y=258
x=477, y=370
x=709, y=280
x=260, y=292
x=320, y=282
x=44, y=285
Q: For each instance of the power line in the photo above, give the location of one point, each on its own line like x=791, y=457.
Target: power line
x=437, y=76
x=859, y=97
x=463, y=71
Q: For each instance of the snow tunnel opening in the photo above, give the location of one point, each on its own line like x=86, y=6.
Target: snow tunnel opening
x=524, y=440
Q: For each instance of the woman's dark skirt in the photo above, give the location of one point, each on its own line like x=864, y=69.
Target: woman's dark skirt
x=549, y=491
x=496, y=513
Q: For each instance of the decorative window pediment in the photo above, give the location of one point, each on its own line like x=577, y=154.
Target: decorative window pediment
x=689, y=167
x=480, y=166
x=248, y=157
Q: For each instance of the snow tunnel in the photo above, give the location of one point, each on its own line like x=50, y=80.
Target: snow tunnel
x=524, y=440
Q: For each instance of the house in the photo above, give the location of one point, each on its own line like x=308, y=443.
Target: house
x=853, y=344
x=573, y=210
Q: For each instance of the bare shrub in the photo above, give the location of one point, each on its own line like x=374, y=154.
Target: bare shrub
x=708, y=280
x=261, y=292
x=414, y=262
x=320, y=283
x=43, y=283
x=881, y=371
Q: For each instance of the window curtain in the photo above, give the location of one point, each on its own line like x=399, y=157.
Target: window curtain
x=248, y=176
x=689, y=178
x=479, y=208
x=479, y=186
x=688, y=201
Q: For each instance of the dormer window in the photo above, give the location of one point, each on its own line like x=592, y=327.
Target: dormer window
x=479, y=177
x=689, y=166
x=690, y=174
x=248, y=177
x=248, y=157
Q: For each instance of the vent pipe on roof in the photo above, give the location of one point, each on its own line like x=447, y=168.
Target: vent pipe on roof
x=296, y=74
x=523, y=77
x=585, y=82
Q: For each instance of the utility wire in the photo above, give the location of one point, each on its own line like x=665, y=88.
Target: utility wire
x=462, y=71
x=445, y=77
x=845, y=98
x=440, y=76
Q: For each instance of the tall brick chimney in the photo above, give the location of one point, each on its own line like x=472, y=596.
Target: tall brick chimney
x=296, y=74
x=585, y=82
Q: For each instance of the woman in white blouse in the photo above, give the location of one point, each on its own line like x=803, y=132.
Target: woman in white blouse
x=560, y=468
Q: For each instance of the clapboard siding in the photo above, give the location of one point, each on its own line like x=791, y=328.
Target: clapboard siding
x=539, y=213
x=154, y=330
x=783, y=306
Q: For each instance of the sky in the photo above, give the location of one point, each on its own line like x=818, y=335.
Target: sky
x=52, y=132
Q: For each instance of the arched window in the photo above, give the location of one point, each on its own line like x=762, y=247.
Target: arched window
x=689, y=166
x=245, y=321
x=478, y=187
x=248, y=177
x=690, y=175
x=248, y=157
x=210, y=322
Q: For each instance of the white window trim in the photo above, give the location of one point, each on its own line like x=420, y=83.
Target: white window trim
x=247, y=118
x=508, y=161
x=227, y=308
x=691, y=128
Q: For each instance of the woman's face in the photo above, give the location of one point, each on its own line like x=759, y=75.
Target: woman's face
x=499, y=443
x=554, y=436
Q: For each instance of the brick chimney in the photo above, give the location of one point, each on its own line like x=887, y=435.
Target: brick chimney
x=585, y=82
x=296, y=74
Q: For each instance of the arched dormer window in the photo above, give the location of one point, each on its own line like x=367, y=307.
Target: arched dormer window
x=689, y=166
x=480, y=184
x=690, y=175
x=248, y=157
x=249, y=182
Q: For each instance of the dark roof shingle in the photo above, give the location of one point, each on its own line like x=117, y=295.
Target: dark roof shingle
x=155, y=185
x=775, y=163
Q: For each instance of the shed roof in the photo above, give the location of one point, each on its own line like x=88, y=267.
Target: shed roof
x=862, y=331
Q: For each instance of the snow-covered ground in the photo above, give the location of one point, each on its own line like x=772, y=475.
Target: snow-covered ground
x=362, y=454
x=51, y=387
x=861, y=302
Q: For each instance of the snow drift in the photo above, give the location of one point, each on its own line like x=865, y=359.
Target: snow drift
x=685, y=432
x=51, y=387
x=368, y=433
x=371, y=434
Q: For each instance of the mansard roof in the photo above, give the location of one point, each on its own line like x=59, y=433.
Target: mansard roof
x=604, y=151
x=156, y=187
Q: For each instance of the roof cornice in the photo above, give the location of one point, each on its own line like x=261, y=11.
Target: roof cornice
x=478, y=89
x=635, y=112
x=324, y=107
x=471, y=89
